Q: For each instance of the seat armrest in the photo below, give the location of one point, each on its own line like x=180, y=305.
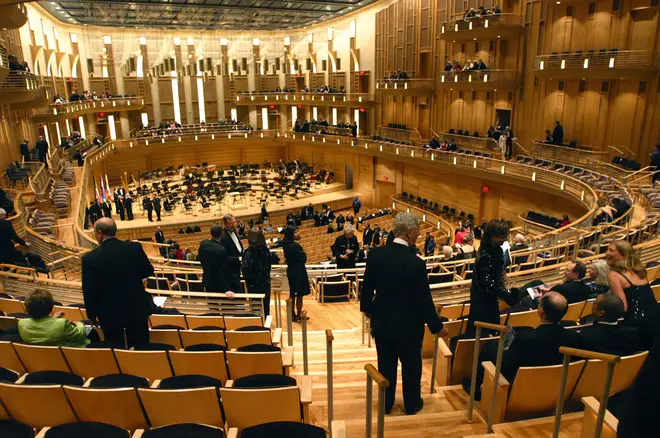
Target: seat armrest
x=306, y=390
x=287, y=357
x=268, y=322
x=502, y=389
x=229, y=384
x=138, y=433
x=591, y=407
x=338, y=428
x=276, y=337
x=443, y=365
x=21, y=379
x=88, y=382
x=156, y=384
x=42, y=433
x=233, y=433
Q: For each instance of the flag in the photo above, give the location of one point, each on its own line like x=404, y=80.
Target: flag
x=96, y=190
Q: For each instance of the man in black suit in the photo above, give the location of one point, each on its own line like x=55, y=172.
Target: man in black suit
x=429, y=245
x=606, y=335
x=573, y=288
x=148, y=206
x=234, y=248
x=25, y=150
x=558, y=134
x=113, y=288
x=128, y=206
x=8, y=252
x=213, y=256
x=397, y=298
x=119, y=204
x=307, y=212
x=42, y=147
x=367, y=235
x=156, y=203
x=345, y=248
x=160, y=238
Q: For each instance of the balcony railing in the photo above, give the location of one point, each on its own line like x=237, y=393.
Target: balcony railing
x=86, y=105
x=602, y=60
x=479, y=76
x=462, y=24
x=19, y=81
x=404, y=84
x=484, y=144
x=565, y=154
x=283, y=98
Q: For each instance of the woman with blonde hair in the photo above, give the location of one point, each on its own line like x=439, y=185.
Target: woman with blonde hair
x=628, y=281
x=597, y=281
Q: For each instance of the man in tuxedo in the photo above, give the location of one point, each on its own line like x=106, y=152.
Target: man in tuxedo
x=232, y=244
x=128, y=206
x=573, y=288
x=156, y=203
x=367, y=235
x=119, y=204
x=213, y=256
x=558, y=134
x=160, y=238
x=148, y=206
x=357, y=205
x=606, y=335
x=113, y=288
x=345, y=248
x=42, y=147
x=397, y=298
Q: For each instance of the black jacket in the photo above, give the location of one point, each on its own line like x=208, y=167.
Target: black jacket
x=112, y=286
x=213, y=257
x=8, y=253
x=160, y=237
x=342, y=243
x=42, y=145
x=233, y=254
x=156, y=203
x=295, y=268
x=616, y=339
x=574, y=291
x=396, y=294
x=367, y=236
x=255, y=266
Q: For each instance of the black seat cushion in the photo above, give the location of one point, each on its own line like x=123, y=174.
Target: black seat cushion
x=53, y=378
x=190, y=381
x=8, y=375
x=14, y=429
x=154, y=346
x=119, y=381
x=283, y=429
x=167, y=327
x=86, y=430
x=208, y=328
x=206, y=347
x=104, y=344
x=264, y=381
x=258, y=348
x=184, y=430
x=253, y=328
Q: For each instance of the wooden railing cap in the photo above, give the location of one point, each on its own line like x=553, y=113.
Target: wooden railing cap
x=380, y=380
x=590, y=354
x=489, y=326
x=329, y=337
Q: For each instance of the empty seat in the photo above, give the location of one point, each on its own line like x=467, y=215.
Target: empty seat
x=186, y=430
x=37, y=406
x=198, y=405
x=91, y=362
x=117, y=406
x=41, y=358
x=152, y=365
x=85, y=429
x=241, y=363
x=207, y=363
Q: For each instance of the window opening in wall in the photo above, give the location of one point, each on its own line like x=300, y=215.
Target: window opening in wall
x=592, y=8
x=583, y=86
x=642, y=87
x=562, y=85
x=569, y=11
x=605, y=87
x=616, y=5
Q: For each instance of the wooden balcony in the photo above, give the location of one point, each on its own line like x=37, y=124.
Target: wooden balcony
x=602, y=64
x=54, y=112
x=13, y=16
x=21, y=87
x=485, y=27
x=480, y=80
x=351, y=100
x=411, y=87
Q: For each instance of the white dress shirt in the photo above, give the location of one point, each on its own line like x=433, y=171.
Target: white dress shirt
x=235, y=239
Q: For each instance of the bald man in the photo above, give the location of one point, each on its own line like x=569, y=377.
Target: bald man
x=113, y=288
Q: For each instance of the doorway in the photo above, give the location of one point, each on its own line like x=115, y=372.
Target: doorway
x=384, y=192
x=349, y=177
x=504, y=116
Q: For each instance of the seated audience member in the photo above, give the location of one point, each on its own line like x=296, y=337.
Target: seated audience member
x=41, y=328
x=466, y=250
x=597, y=278
x=573, y=288
x=460, y=235
x=548, y=137
x=604, y=214
x=535, y=347
x=448, y=252
x=620, y=205
x=520, y=245
x=606, y=335
x=565, y=221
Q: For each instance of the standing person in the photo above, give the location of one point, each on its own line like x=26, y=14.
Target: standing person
x=655, y=161
x=8, y=236
x=160, y=238
x=42, y=146
x=502, y=144
x=256, y=264
x=107, y=208
x=508, y=142
x=295, y=269
x=489, y=280
x=628, y=281
x=156, y=203
x=357, y=205
x=376, y=240
x=213, y=257
x=234, y=248
x=429, y=245
x=113, y=289
x=128, y=206
x=25, y=150
x=367, y=235
x=148, y=206
x=397, y=298
x=558, y=134
x=345, y=248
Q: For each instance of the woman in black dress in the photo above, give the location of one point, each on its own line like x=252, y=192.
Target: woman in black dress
x=296, y=271
x=256, y=264
x=489, y=280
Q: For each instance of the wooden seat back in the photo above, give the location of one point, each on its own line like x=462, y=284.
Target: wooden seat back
x=8, y=322
x=463, y=356
x=71, y=313
x=37, y=405
x=193, y=337
x=8, y=306
x=236, y=322
x=41, y=358
x=205, y=363
x=91, y=362
x=177, y=320
x=243, y=364
x=527, y=319
x=199, y=405
x=454, y=328
x=9, y=358
x=452, y=312
x=195, y=321
x=118, y=406
x=166, y=336
x=593, y=376
x=587, y=309
x=534, y=390
x=153, y=365
x=574, y=311
x=240, y=339
x=656, y=292
x=280, y=404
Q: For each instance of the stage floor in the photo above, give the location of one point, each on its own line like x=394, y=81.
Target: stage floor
x=330, y=193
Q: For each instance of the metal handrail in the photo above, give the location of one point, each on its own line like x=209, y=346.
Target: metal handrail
x=303, y=321
x=461, y=23
x=566, y=154
x=302, y=96
x=329, y=338
x=404, y=84
x=602, y=59
x=383, y=384
x=289, y=321
x=474, y=76
x=20, y=80
x=102, y=104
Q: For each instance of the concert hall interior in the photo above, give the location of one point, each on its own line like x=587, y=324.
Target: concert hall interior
x=318, y=126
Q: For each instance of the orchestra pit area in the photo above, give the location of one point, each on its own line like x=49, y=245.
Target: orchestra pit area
x=331, y=118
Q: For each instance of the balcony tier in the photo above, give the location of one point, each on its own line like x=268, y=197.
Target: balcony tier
x=486, y=27
x=602, y=64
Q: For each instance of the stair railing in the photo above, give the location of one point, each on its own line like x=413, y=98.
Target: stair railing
x=382, y=382
x=303, y=321
x=329, y=338
x=289, y=321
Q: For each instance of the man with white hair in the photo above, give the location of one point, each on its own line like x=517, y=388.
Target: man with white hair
x=345, y=248
x=397, y=298
x=8, y=252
